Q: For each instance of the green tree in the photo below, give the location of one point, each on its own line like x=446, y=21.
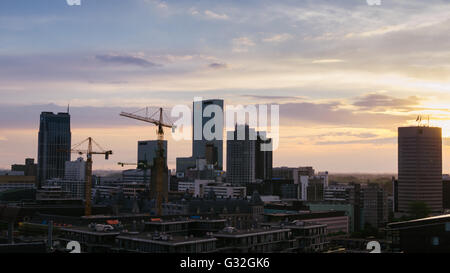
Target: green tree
x=419, y=209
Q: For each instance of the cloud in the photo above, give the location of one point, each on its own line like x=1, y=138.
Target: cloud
x=193, y=11
x=216, y=16
x=446, y=141
x=125, y=60
x=278, y=38
x=159, y=4
x=27, y=116
x=336, y=114
x=242, y=44
x=377, y=141
x=382, y=102
x=327, y=61
x=162, y=5
x=291, y=114
x=351, y=134
x=272, y=98
x=218, y=65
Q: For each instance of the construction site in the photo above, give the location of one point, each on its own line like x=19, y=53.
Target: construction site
x=53, y=208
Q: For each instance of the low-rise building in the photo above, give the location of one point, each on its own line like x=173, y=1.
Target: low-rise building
x=306, y=236
x=91, y=240
x=192, y=226
x=14, y=182
x=426, y=235
x=29, y=169
x=336, y=221
x=163, y=243
x=354, y=222
x=74, y=188
x=265, y=240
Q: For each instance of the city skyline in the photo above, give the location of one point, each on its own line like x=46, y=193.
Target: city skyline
x=112, y=165
x=381, y=72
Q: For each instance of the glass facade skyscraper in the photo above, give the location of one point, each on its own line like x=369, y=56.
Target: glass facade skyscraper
x=241, y=156
x=54, y=145
x=199, y=145
x=147, y=150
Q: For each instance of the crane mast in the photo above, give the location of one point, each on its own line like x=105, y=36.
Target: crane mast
x=88, y=171
x=159, y=161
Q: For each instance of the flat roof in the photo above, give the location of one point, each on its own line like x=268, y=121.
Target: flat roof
x=190, y=220
x=309, y=215
x=100, y=216
x=4, y=179
x=174, y=241
x=86, y=230
x=244, y=233
x=294, y=226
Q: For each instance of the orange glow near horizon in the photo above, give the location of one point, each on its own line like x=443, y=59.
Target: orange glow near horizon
x=298, y=147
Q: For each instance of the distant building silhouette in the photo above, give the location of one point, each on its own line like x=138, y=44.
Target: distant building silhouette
x=147, y=151
x=375, y=205
x=29, y=169
x=263, y=158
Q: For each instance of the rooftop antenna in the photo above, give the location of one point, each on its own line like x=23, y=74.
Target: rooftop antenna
x=419, y=120
x=68, y=108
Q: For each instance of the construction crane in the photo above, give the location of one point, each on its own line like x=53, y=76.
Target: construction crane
x=89, y=152
x=141, y=165
x=159, y=161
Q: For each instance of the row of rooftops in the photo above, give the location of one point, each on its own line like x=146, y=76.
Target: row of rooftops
x=225, y=232
x=176, y=240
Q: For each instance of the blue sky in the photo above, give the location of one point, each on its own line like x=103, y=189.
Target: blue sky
x=345, y=74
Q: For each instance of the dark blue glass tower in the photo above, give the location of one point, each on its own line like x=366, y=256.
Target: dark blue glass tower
x=199, y=145
x=53, y=145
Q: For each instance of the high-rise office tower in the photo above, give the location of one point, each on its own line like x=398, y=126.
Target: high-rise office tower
x=54, y=145
x=147, y=151
x=263, y=157
x=420, y=167
x=199, y=142
x=241, y=156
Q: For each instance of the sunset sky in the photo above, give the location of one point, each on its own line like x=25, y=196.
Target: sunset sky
x=344, y=73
